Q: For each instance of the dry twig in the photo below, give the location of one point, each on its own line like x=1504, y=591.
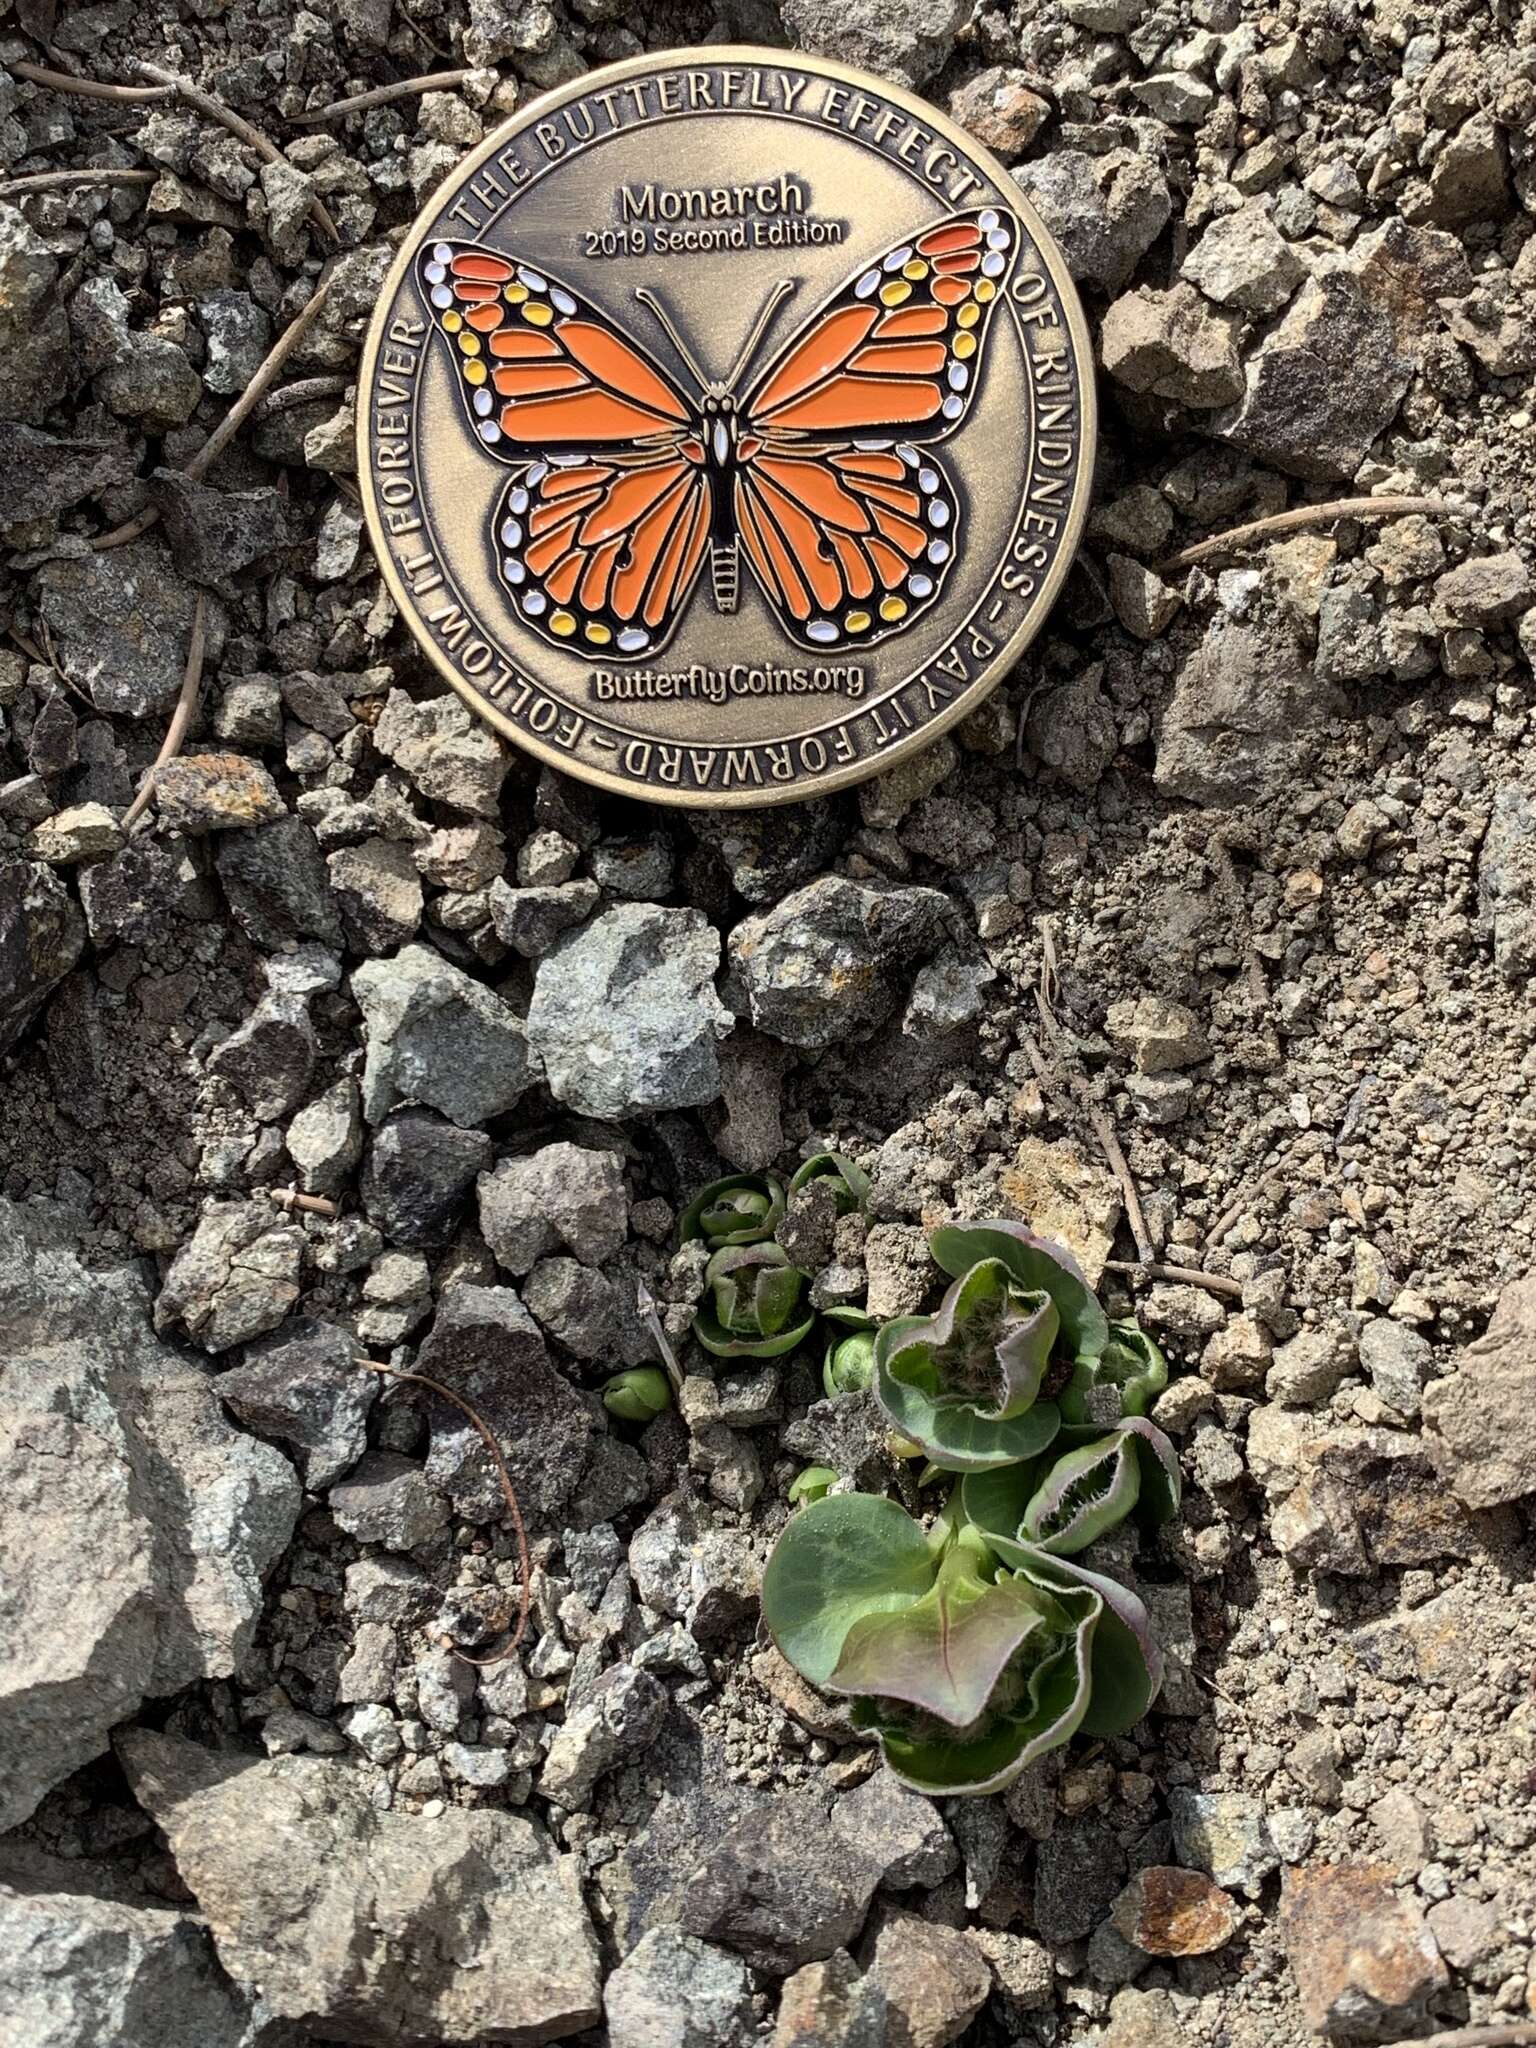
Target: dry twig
x=1517, y=2034
x=86, y=88
x=650, y=1316
x=1296, y=520
x=311, y=1205
x=56, y=181
x=304, y=392
x=181, y=718
x=232, y=421
x=381, y=95
x=524, y=1561
x=215, y=110
x=1189, y=1276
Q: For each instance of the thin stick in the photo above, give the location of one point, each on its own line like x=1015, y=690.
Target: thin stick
x=524, y=1561
x=205, y=103
x=381, y=95
x=646, y=1303
x=312, y=1205
x=181, y=718
x=232, y=421
x=54, y=181
x=1102, y=1129
x=1190, y=1276
x=1518, y=2034
x=85, y=88
x=304, y=392
x=1296, y=520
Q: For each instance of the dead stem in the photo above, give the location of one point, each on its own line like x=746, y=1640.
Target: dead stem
x=1188, y=1276
x=304, y=392
x=1296, y=520
x=215, y=110
x=232, y=421
x=524, y=1561
x=311, y=1205
x=1517, y=2034
x=381, y=95
x=181, y=718
x=649, y=1315
x=55, y=181
x=86, y=88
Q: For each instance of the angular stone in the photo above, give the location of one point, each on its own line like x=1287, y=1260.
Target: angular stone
x=828, y=963
x=1364, y=1962
x=624, y=1716
x=934, y=1981
x=624, y=1013
x=34, y=330
x=137, y=1525
x=907, y=44
x=830, y=2005
x=903, y=1832
x=1242, y=722
x=780, y=1889
x=268, y=1060
x=1165, y=1911
x=530, y=920
x=445, y=751
x=236, y=1277
x=1480, y=1420
x=1064, y=1196
x=325, y=1139
x=378, y=893
x=1243, y=260
x=418, y=1174
x=371, y=1926
x=1023, y=1968
x=1000, y=108
x=1077, y=1874
x=302, y=1386
x=215, y=534
x=561, y=1195
x=83, y=832
x=1105, y=211
x=1071, y=729
x=120, y=622
x=671, y=1991
x=42, y=936
x=275, y=881
x=1485, y=591
x=1171, y=344
x=1160, y=1036
x=1506, y=881
x=388, y=1499
x=437, y=1037
x=198, y=793
x=133, y=894
x=1223, y=1834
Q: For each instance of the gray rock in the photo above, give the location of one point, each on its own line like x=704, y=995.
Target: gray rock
x=1171, y=344
x=1398, y=1362
x=79, y=1968
x=1506, y=881
x=1078, y=1871
x=325, y=1138
x=1225, y=1835
x=948, y=994
x=82, y=833
x=1488, y=590
x=903, y=1832
x=46, y=474
x=238, y=334
x=1243, y=260
x=1105, y=211
x=137, y=1524
x=268, y=1060
x=120, y=620
x=134, y=893
x=635, y=870
x=235, y=1278
x=624, y=1717
x=418, y=1175
x=562, y=1195
x=830, y=2005
x=684, y=1566
x=445, y=751
x=215, y=533
x=671, y=1991
x=769, y=852
x=906, y=44
x=199, y=793
x=482, y=1934
x=34, y=332
x=624, y=1013
x=781, y=1889
x=578, y=1306
x=1243, y=719
x=530, y=920
x=1324, y=384
x=275, y=880
x=150, y=383
x=378, y=893
x=1071, y=730
x=302, y=1386
x=439, y=1038
x=827, y=965
x=1480, y=1420
x=484, y=1344
x=1160, y=1036
x=388, y=1499
x=42, y=936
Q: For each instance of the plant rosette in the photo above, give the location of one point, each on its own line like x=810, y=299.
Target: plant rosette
x=1088, y=1482
x=848, y=1363
x=639, y=1395
x=744, y=1208
x=969, y=1656
x=754, y=1304
x=1123, y=1380
x=849, y=1183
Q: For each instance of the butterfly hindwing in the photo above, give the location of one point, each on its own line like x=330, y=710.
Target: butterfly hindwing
x=849, y=520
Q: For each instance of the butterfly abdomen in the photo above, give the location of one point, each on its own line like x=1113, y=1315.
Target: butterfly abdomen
x=725, y=572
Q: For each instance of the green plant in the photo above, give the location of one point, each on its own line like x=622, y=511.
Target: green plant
x=1123, y=1379
x=970, y=1656
x=849, y=1183
x=813, y=1484
x=639, y=1395
x=754, y=1305
x=744, y=1208
x=848, y=1364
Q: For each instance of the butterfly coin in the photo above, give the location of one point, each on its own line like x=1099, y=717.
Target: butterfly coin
x=725, y=427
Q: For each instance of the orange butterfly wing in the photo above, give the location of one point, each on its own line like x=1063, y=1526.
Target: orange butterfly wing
x=849, y=522
x=601, y=534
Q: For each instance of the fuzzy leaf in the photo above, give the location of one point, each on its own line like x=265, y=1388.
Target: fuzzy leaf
x=954, y=1435
x=754, y=1307
x=849, y=1183
x=1125, y=1381
x=1037, y=1264
x=840, y=1559
x=744, y=1208
x=1126, y=1663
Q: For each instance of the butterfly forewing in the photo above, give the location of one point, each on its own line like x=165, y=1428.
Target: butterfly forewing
x=849, y=521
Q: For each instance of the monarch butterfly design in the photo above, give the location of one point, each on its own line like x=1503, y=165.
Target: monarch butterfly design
x=823, y=476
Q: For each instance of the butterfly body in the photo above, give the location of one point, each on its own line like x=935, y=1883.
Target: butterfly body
x=820, y=474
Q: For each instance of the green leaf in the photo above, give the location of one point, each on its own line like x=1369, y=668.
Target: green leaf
x=754, y=1307
x=1037, y=1265
x=1160, y=1484
x=1124, y=1382
x=841, y=1558
x=744, y=1208
x=953, y=1433
x=849, y=1183
x=1127, y=1665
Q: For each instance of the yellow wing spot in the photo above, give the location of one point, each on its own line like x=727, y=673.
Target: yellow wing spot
x=965, y=345
x=986, y=290
x=856, y=622
x=515, y=294
x=597, y=633
x=452, y=322
x=474, y=373
x=916, y=269
x=562, y=623
x=968, y=315
x=540, y=316
x=469, y=344
x=892, y=609
x=893, y=293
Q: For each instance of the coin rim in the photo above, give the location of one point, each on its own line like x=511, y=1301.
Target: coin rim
x=975, y=693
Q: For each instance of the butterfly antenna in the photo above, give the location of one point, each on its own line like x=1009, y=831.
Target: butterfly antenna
x=749, y=347
x=648, y=298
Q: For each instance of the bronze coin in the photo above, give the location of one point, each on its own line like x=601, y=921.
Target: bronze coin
x=725, y=426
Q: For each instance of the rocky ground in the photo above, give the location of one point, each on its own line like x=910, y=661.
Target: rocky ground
x=1264, y=826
